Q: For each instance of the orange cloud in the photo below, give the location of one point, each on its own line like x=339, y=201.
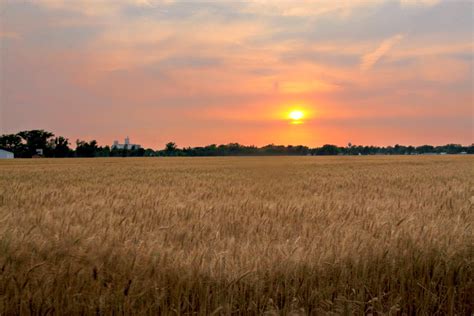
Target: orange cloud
x=305, y=86
x=370, y=59
x=9, y=35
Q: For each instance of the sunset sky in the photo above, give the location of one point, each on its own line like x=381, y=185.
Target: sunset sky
x=362, y=71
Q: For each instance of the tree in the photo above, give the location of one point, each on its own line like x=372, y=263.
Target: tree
x=10, y=141
x=13, y=143
x=60, y=147
x=470, y=149
x=103, y=152
x=170, y=149
x=272, y=149
x=85, y=149
x=425, y=149
x=149, y=152
x=452, y=148
x=36, y=139
x=328, y=150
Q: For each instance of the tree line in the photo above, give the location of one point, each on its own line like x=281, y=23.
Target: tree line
x=40, y=143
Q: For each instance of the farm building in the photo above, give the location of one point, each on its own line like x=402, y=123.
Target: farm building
x=6, y=154
x=126, y=145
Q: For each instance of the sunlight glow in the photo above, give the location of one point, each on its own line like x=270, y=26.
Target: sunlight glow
x=296, y=115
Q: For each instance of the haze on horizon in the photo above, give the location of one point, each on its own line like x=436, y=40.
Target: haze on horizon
x=367, y=72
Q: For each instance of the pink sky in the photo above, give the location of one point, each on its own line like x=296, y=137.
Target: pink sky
x=367, y=72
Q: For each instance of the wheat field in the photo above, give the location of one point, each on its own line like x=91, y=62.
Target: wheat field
x=244, y=236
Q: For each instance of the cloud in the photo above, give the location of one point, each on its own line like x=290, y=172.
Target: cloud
x=99, y=8
x=9, y=35
x=427, y=3
x=314, y=8
x=305, y=86
x=370, y=59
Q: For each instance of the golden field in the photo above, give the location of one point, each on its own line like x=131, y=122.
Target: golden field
x=244, y=236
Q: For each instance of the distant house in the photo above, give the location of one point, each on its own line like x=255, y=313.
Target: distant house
x=6, y=154
x=126, y=145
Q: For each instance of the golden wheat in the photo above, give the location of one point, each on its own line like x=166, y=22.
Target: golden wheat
x=274, y=235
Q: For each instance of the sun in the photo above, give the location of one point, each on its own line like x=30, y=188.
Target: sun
x=296, y=115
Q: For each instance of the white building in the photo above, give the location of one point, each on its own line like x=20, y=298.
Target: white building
x=6, y=154
x=126, y=145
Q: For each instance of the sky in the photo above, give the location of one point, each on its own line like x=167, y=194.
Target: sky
x=369, y=72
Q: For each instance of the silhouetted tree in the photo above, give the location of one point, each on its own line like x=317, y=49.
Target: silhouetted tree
x=103, y=152
x=170, y=149
x=328, y=150
x=85, y=149
x=25, y=144
x=36, y=139
x=60, y=147
x=149, y=152
x=425, y=149
x=14, y=144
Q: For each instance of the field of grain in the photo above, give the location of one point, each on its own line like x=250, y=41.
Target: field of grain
x=250, y=235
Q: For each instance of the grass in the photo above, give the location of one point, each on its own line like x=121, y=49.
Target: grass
x=267, y=235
